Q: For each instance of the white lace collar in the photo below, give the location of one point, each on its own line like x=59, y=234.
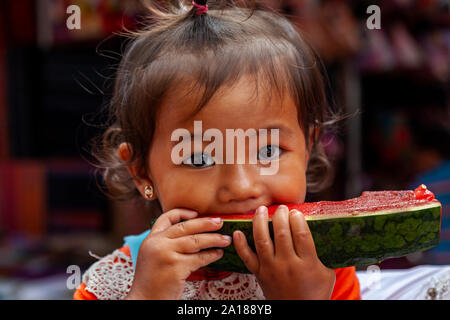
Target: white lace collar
x=110, y=278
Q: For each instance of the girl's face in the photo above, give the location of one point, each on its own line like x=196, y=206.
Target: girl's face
x=228, y=188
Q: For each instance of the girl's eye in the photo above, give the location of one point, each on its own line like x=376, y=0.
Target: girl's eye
x=199, y=160
x=269, y=152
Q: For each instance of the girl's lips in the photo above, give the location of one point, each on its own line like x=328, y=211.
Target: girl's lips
x=252, y=210
x=234, y=212
x=249, y=211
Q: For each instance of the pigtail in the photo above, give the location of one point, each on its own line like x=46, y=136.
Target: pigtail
x=199, y=7
x=170, y=9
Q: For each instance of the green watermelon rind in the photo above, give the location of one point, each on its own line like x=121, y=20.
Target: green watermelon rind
x=353, y=240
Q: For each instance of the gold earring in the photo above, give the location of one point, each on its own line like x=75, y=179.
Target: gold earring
x=148, y=191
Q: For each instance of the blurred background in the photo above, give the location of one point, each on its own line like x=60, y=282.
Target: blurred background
x=55, y=82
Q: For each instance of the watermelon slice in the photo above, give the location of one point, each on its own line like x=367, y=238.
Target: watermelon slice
x=360, y=231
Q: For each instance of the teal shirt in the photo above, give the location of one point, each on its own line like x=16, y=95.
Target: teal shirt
x=134, y=243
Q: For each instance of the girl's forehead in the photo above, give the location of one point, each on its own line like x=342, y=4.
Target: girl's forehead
x=242, y=105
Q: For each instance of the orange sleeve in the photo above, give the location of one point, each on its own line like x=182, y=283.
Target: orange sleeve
x=82, y=294
x=346, y=286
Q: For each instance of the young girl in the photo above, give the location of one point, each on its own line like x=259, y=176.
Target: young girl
x=227, y=67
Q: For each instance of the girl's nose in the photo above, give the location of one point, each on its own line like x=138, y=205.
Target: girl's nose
x=240, y=182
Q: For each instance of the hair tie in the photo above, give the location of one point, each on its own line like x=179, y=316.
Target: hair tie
x=201, y=9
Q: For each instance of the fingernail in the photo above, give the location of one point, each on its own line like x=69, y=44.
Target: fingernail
x=283, y=207
x=262, y=209
x=226, y=238
x=216, y=220
x=294, y=212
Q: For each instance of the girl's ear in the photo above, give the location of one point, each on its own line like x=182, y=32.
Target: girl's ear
x=313, y=135
x=124, y=152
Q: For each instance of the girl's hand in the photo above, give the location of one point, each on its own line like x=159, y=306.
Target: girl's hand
x=171, y=252
x=290, y=269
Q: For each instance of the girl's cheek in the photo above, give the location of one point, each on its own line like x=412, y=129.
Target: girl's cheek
x=288, y=188
x=186, y=193
x=289, y=185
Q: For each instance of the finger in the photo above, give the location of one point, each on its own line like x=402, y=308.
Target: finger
x=245, y=252
x=171, y=217
x=196, y=242
x=261, y=236
x=193, y=226
x=203, y=258
x=282, y=232
x=303, y=240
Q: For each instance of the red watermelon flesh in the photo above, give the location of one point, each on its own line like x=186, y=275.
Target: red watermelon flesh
x=370, y=202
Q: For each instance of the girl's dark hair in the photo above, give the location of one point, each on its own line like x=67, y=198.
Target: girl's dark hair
x=178, y=47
